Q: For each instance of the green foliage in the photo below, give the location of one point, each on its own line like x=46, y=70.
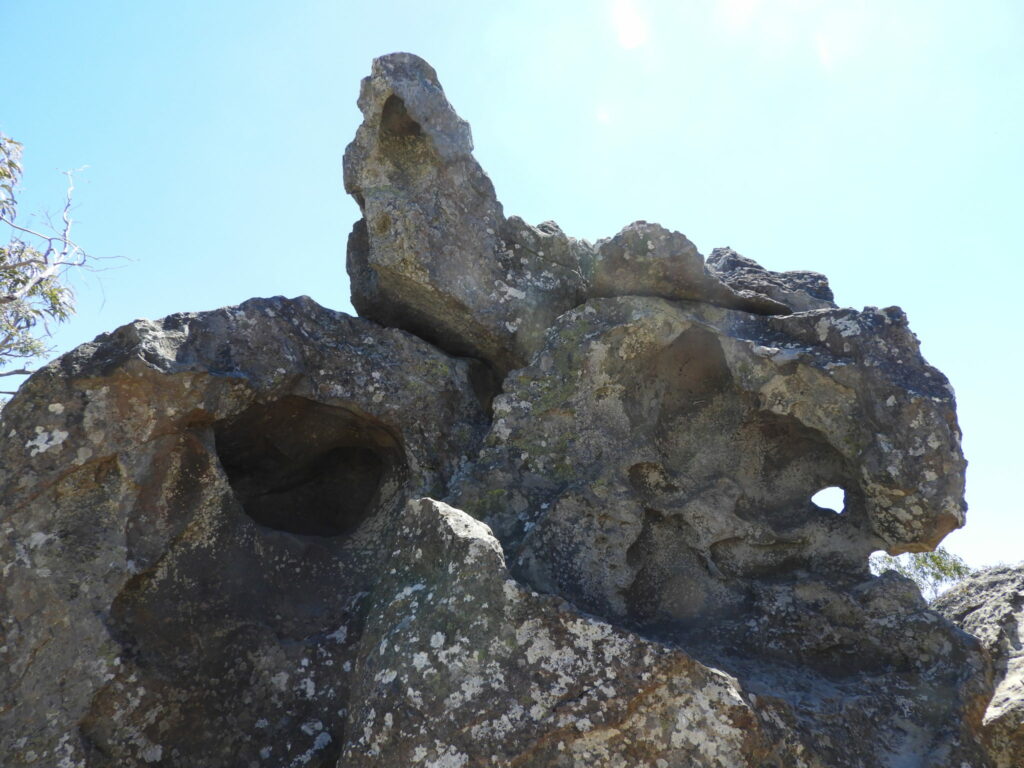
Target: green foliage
x=32, y=264
x=934, y=572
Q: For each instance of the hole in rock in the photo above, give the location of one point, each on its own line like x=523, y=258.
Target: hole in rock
x=308, y=468
x=395, y=119
x=833, y=498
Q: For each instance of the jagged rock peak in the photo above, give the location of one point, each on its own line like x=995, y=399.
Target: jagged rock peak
x=435, y=255
x=798, y=289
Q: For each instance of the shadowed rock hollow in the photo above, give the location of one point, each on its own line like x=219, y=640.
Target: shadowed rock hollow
x=546, y=502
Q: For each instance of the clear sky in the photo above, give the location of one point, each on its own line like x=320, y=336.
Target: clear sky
x=880, y=142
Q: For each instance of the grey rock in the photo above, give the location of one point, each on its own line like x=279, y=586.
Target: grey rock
x=424, y=253
x=990, y=605
x=670, y=401
x=435, y=255
x=655, y=465
x=462, y=665
x=547, y=504
x=649, y=260
x=799, y=290
x=191, y=509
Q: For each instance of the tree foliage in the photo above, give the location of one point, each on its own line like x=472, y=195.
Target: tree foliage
x=934, y=572
x=33, y=263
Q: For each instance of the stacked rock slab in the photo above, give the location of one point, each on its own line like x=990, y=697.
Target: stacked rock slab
x=990, y=605
x=547, y=503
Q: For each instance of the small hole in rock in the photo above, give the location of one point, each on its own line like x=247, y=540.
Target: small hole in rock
x=308, y=468
x=395, y=120
x=833, y=498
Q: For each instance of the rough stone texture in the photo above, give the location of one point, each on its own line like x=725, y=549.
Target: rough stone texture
x=655, y=465
x=275, y=535
x=990, y=605
x=738, y=418
x=649, y=260
x=435, y=254
x=191, y=509
x=519, y=678
x=798, y=290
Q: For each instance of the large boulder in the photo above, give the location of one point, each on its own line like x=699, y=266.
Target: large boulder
x=800, y=290
x=461, y=665
x=655, y=465
x=990, y=605
x=191, y=511
x=434, y=253
x=549, y=503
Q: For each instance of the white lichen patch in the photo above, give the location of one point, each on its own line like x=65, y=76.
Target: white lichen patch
x=339, y=635
x=449, y=757
x=847, y=326
x=37, y=538
x=44, y=441
x=153, y=753
x=322, y=740
x=507, y=293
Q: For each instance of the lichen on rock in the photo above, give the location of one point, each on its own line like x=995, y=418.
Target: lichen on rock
x=990, y=605
x=547, y=502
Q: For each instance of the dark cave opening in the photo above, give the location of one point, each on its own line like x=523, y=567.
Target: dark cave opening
x=303, y=467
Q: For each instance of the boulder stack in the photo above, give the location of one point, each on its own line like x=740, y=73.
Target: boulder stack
x=545, y=502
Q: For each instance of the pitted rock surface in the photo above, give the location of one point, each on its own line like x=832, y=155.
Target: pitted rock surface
x=547, y=504
x=520, y=678
x=799, y=290
x=191, y=511
x=990, y=605
x=435, y=254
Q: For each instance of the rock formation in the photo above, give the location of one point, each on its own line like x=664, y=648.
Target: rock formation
x=545, y=503
x=990, y=605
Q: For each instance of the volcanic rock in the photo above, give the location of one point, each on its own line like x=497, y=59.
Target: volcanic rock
x=191, y=511
x=435, y=254
x=799, y=290
x=548, y=503
x=990, y=605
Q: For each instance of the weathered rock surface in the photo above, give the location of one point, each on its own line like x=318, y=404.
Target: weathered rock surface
x=462, y=665
x=990, y=605
x=191, y=510
x=435, y=254
x=798, y=290
x=655, y=465
x=549, y=504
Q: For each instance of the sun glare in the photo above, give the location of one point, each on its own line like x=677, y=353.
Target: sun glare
x=631, y=27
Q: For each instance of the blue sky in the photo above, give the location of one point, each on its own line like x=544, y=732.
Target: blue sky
x=881, y=143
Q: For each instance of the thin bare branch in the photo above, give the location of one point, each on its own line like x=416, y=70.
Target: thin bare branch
x=33, y=233
x=32, y=293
